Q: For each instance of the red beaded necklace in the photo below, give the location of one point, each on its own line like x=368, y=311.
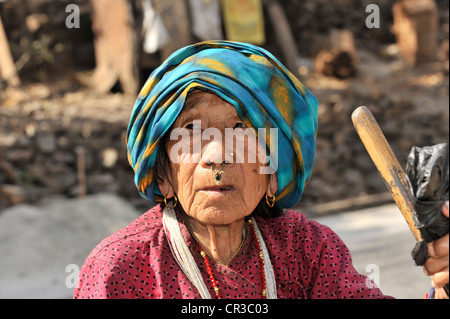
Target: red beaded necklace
x=261, y=263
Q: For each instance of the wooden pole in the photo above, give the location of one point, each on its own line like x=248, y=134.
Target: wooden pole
x=81, y=169
x=284, y=35
x=175, y=16
x=386, y=163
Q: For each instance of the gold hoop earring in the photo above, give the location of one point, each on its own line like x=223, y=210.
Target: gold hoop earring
x=270, y=200
x=171, y=206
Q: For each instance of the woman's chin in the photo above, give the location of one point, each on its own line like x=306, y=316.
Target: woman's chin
x=216, y=216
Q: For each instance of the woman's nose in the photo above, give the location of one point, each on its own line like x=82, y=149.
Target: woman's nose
x=217, y=153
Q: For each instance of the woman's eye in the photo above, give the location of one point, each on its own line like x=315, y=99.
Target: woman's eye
x=193, y=126
x=240, y=125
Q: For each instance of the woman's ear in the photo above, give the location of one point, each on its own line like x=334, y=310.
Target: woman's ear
x=166, y=188
x=272, y=186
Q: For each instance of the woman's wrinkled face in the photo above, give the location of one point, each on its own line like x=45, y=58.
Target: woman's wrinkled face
x=198, y=149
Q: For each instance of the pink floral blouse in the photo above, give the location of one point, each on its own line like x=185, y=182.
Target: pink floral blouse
x=309, y=261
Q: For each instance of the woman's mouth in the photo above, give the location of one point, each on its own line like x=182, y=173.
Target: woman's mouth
x=220, y=189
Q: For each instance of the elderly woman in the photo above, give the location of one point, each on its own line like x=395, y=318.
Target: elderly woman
x=222, y=138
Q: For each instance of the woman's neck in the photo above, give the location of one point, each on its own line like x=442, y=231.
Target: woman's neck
x=220, y=242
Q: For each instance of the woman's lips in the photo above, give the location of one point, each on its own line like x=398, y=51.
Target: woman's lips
x=219, y=190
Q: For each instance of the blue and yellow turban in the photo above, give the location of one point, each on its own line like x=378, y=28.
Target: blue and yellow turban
x=264, y=93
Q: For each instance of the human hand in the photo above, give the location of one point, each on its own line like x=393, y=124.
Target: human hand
x=437, y=266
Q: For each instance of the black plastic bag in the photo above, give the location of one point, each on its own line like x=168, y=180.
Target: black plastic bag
x=427, y=177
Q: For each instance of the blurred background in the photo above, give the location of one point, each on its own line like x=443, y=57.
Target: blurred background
x=70, y=72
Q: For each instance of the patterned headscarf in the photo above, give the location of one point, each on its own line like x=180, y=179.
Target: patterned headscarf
x=264, y=93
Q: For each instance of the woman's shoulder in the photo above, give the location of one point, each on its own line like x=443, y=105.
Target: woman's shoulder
x=116, y=257
x=295, y=228
x=139, y=232
x=295, y=220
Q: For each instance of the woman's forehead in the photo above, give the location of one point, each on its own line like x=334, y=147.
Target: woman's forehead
x=195, y=98
x=207, y=102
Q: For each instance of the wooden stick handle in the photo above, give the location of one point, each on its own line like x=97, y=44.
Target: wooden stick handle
x=386, y=163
